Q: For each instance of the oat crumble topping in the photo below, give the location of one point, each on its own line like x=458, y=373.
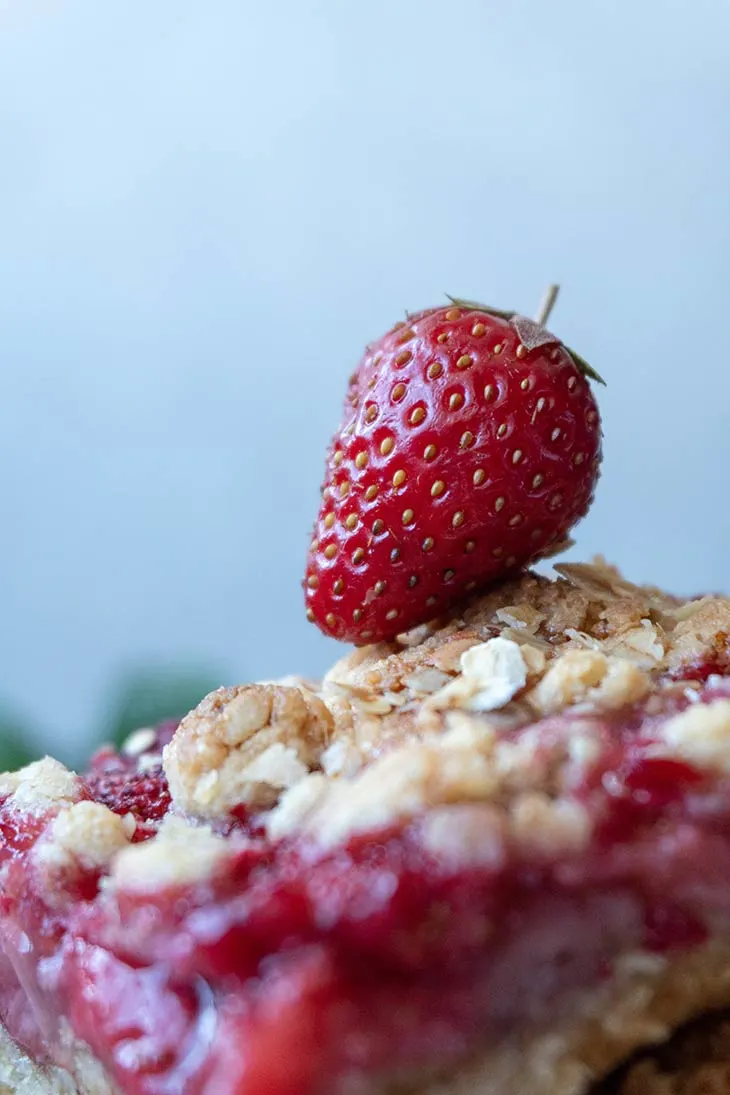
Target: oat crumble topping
x=180, y=853
x=454, y=720
x=86, y=835
x=41, y=786
x=244, y=745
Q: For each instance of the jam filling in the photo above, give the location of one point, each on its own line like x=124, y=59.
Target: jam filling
x=295, y=969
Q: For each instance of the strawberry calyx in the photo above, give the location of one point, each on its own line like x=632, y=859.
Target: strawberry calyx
x=475, y=306
x=532, y=334
x=586, y=369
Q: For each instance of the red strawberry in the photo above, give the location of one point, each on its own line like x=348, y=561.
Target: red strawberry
x=470, y=445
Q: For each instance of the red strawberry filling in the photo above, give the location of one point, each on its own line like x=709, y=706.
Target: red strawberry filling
x=126, y=787
x=292, y=969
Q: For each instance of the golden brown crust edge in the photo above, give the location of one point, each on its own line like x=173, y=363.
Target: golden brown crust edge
x=649, y=1000
x=20, y=1075
x=696, y=1061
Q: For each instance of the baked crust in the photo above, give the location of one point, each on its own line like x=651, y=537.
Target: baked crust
x=20, y=1075
x=696, y=1061
x=648, y=1000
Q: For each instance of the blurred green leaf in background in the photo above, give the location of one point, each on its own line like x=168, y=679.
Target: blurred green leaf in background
x=145, y=697
x=16, y=748
x=141, y=697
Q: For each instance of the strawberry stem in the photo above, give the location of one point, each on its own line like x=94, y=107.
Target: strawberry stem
x=546, y=304
x=543, y=314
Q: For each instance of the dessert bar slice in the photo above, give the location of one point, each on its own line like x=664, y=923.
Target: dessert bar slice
x=491, y=856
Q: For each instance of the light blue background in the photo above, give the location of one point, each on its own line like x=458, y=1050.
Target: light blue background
x=207, y=208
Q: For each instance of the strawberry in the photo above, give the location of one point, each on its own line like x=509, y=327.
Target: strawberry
x=469, y=447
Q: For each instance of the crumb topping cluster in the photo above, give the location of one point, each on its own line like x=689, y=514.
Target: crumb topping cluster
x=479, y=725
x=244, y=746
